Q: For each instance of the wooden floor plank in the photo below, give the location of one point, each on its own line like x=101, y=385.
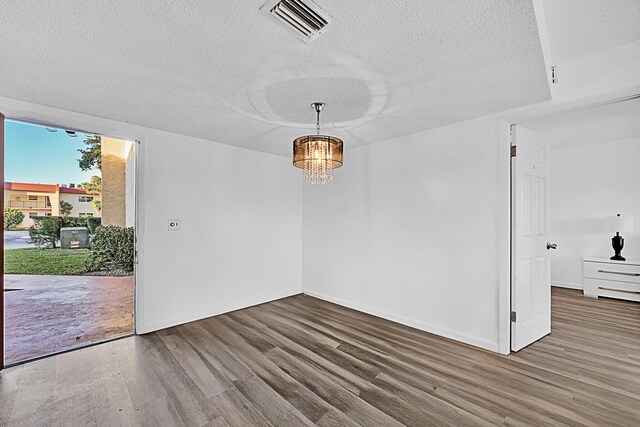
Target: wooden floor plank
x=238, y=411
x=303, y=361
x=273, y=406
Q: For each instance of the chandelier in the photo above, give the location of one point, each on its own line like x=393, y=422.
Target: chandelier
x=318, y=155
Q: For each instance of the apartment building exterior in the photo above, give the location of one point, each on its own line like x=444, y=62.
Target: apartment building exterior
x=44, y=200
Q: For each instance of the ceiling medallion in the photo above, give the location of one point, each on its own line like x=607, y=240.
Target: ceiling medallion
x=318, y=155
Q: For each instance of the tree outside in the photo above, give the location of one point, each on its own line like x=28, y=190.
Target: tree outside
x=91, y=157
x=65, y=208
x=94, y=187
x=12, y=218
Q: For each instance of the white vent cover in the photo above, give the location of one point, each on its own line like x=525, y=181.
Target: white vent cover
x=304, y=19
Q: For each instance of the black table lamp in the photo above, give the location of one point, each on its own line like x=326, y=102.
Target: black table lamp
x=617, y=224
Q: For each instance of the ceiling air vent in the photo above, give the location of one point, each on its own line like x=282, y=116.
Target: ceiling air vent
x=304, y=19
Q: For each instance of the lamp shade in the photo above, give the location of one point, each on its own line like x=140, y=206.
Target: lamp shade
x=619, y=224
x=318, y=155
x=305, y=149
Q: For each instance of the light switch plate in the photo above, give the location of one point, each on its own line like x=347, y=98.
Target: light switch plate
x=174, y=224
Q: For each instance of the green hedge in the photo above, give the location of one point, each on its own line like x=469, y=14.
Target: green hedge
x=46, y=229
x=112, y=248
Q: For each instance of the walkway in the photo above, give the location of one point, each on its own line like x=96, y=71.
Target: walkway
x=48, y=314
x=18, y=239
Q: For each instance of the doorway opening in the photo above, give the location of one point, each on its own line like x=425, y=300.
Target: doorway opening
x=69, y=240
x=562, y=228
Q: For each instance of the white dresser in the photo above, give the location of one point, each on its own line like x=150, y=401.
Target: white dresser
x=602, y=277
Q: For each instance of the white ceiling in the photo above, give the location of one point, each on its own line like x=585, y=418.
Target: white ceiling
x=578, y=28
x=222, y=71
x=601, y=123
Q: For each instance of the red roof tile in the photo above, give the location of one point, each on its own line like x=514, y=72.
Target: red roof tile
x=42, y=188
x=73, y=190
x=27, y=186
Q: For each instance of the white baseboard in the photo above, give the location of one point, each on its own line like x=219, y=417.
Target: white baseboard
x=443, y=332
x=567, y=285
x=199, y=316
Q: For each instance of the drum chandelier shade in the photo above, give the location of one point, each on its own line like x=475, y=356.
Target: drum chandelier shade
x=316, y=143
x=317, y=154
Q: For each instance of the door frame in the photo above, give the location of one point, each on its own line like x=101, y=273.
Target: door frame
x=2, y=244
x=520, y=116
x=137, y=200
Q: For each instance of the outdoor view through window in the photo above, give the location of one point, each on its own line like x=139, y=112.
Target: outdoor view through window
x=69, y=212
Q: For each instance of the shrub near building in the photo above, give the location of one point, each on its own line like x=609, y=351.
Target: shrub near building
x=112, y=249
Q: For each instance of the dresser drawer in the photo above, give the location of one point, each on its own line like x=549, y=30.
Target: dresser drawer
x=611, y=289
x=613, y=272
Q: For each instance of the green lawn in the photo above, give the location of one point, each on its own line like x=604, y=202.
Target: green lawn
x=66, y=262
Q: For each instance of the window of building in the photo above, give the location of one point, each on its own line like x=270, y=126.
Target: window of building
x=85, y=198
x=33, y=214
x=47, y=214
x=84, y=215
x=33, y=198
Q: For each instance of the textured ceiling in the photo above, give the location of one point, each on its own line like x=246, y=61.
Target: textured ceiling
x=578, y=28
x=222, y=71
x=601, y=123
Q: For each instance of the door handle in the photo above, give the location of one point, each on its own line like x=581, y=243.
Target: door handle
x=551, y=246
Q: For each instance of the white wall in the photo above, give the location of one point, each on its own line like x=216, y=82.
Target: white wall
x=589, y=182
x=605, y=72
x=416, y=230
x=240, y=242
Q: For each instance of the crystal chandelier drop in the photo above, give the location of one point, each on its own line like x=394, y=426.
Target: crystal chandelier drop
x=318, y=155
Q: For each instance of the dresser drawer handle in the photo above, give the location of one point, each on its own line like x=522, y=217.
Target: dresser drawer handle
x=619, y=272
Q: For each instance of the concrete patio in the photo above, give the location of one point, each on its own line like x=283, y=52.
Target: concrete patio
x=49, y=314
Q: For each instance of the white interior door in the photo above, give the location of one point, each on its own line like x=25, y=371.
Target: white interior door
x=530, y=261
